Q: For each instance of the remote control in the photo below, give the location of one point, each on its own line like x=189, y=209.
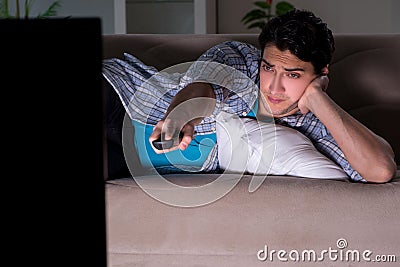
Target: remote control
x=165, y=144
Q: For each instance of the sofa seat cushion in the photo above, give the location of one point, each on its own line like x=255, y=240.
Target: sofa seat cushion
x=284, y=213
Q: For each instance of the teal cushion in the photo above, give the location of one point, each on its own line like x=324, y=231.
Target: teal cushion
x=190, y=159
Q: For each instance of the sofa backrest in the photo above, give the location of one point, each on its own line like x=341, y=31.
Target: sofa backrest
x=364, y=73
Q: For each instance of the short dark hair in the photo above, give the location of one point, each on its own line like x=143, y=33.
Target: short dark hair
x=303, y=34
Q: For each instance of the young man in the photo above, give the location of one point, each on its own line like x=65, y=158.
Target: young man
x=290, y=72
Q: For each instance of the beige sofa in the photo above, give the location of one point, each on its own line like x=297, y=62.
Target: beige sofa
x=287, y=219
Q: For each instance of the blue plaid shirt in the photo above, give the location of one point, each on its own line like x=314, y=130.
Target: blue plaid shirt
x=147, y=92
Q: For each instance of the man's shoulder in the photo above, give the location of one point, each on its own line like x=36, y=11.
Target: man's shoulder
x=297, y=119
x=238, y=45
x=308, y=124
x=234, y=51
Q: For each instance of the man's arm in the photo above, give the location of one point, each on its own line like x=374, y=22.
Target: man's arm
x=187, y=109
x=369, y=154
x=223, y=66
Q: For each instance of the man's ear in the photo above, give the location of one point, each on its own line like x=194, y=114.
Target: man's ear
x=325, y=70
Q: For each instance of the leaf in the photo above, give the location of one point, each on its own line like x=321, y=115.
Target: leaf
x=28, y=4
x=263, y=5
x=258, y=24
x=283, y=7
x=51, y=11
x=17, y=9
x=4, y=9
x=254, y=14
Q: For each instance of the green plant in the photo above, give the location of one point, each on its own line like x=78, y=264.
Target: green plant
x=5, y=13
x=258, y=17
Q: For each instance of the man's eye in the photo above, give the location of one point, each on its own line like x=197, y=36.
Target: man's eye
x=294, y=75
x=266, y=68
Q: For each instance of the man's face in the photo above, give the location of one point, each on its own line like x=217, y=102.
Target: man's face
x=283, y=80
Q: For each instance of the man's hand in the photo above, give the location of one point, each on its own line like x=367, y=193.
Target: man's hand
x=170, y=129
x=187, y=109
x=317, y=86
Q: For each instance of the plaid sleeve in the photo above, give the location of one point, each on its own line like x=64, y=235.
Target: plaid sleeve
x=231, y=67
x=144, y=95
x=235, y=75
x=328, y=146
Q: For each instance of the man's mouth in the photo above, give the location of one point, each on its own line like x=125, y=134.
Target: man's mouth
x=274, y=100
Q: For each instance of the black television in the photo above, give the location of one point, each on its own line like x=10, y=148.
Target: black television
x=54, y=139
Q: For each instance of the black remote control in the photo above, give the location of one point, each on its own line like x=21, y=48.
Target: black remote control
x=165, y=144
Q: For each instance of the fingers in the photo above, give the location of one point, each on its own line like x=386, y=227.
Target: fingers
x=187, y=136
x=324, y=81
x=321, y=82
x=168, y=130
x=156, y=132
x=315, y=88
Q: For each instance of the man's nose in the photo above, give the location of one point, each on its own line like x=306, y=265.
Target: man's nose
x=276, y=86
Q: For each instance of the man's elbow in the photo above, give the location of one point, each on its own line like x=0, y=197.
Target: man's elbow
x=382, y=174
